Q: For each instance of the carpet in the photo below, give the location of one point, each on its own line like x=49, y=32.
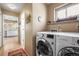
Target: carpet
x=18, y=52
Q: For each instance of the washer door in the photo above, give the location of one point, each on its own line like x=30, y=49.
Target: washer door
x=44, y=48
x=69, y=51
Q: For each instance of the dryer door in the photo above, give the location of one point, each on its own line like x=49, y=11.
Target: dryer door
x=69, y=51
x=44, y=48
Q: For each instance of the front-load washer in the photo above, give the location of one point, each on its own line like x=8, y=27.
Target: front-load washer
x=45, y=44
x=67, y=46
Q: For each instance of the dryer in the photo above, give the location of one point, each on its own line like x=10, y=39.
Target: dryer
x=45, y=44
x=67, y=45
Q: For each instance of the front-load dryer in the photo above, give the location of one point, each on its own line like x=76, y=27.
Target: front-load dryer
x=67, y=46
x=45, y=44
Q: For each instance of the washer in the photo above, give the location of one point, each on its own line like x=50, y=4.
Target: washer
x=67, y=45
x=45, y=44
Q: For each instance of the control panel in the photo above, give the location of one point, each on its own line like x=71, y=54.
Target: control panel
x=50, y=36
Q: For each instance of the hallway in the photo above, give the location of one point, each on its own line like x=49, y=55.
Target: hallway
x=9, y=45
x=12, y=27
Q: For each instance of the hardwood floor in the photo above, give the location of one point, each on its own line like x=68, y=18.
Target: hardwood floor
x=10, y=43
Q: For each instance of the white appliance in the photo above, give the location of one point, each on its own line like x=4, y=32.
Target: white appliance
x=67, y=45
x=45, y=44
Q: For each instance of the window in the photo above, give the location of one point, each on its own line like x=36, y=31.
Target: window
x=67, y=11
x=9, y=17
x=61, y=14
x=10, y=26
x=73, y=10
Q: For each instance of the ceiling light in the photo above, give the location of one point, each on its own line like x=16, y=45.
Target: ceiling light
x=12, y=6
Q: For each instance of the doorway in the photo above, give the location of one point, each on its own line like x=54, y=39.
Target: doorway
x=10, y=29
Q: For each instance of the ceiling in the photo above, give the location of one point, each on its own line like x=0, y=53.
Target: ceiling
x=18, y=6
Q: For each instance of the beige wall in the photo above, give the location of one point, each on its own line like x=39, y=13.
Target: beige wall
x=28, y=27
x=34, y=26
x=39, y=10
x=65, y=27
x=50, y=10
x=29, y=44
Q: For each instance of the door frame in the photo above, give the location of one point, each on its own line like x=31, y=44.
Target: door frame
x=2, y=27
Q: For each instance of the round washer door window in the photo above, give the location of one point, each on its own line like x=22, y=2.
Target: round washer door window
x=44, y=48
x=69, y=51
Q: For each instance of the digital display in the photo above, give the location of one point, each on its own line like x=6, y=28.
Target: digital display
x=50, y=36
